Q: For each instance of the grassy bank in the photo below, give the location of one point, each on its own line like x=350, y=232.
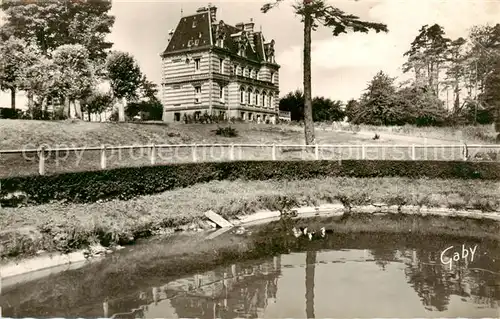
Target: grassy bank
x=24, y=134
x=58, y=227
x=471, y=134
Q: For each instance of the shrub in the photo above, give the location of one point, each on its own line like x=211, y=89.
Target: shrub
x=9, y=113
x=226, y=131
x=126, y=183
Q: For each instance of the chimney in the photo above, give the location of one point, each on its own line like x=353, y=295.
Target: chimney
x=249, y=29
x=249, y=26
x=240, y=26
x=213, y=13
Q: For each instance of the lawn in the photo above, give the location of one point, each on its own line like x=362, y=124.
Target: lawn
x=24, y=134
x=58, y=227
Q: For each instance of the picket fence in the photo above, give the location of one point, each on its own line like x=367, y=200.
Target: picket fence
x=463, y=152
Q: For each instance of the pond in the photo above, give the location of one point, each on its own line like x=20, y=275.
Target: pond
x=343, y=275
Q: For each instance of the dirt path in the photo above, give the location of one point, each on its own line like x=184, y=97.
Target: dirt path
x=408, y=139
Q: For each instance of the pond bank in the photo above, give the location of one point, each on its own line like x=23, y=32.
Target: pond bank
x=55, y=228
x=357, y=219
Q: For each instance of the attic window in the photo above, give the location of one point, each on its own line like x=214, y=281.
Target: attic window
x=194, y=24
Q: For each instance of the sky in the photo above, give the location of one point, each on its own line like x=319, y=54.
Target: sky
x=341, y=66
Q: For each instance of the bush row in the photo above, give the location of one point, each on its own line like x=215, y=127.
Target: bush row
x=126, y=183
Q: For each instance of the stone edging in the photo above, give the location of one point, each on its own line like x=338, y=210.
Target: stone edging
x=10, y=271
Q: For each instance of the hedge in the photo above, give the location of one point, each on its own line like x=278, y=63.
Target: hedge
x=126, y=183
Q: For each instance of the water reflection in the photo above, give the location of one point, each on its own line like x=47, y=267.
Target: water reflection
x=346, y=276
x=336, y=282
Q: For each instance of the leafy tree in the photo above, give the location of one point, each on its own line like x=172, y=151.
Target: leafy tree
x=426, y=56
x=420, y=106
x=377, y=103
x=314, y=13
x=97, y=102
x=352, y=109
x=456, y=70
x=125, y=77
x=293, y=102
x=15, y=56
x=76, y=75
x=324, y=109
x=53, y=23
x=491, y=94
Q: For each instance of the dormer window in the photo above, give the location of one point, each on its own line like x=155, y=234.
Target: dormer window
x=194, y=24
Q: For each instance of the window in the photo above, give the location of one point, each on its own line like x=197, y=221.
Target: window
x=220, y=43
x=177, y=117
x=242, y=115
x=221, y=93
x=176, y=87
x=221, y=65
x=270, y=103
x=272, y=77
x=242, y=95
x=197, y=64
x=256, y=98
x=194, y=24
x=197, y=94
x=196, y=42
x=263, y=99
x=197, y=115
x=238, y=70
x=249, y=96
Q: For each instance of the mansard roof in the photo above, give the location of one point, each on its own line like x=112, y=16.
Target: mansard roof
x=198, y=27
x=189, y=29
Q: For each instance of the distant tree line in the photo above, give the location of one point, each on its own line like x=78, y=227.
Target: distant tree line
x=465, y=70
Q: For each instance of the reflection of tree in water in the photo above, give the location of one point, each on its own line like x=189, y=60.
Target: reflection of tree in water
x=310, y=273
x=435, y=283
x=244, y=296
x=431, y=281
x=383, y=256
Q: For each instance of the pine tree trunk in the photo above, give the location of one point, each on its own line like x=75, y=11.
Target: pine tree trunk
x=13, y=98
x=308, y=114
x=121, y=110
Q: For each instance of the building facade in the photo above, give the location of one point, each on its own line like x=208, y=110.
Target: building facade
x=209, y=66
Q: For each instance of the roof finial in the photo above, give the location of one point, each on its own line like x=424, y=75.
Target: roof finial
x=181, y=11
x=260, y=28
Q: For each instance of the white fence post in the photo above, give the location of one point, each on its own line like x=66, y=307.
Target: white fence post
x=273, y=152
x=231, y=152
x=316, y=151
x=153, y=154
x=103, y=157
x=363, y=152
x=193, y=150
x=413, y=155
x=41, y=161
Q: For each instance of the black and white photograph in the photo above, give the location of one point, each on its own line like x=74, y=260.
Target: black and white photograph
x=249, y=159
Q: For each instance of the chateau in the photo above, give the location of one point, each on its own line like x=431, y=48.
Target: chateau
x=210, y=66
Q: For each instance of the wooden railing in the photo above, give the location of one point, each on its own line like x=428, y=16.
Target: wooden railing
x=235, y=152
